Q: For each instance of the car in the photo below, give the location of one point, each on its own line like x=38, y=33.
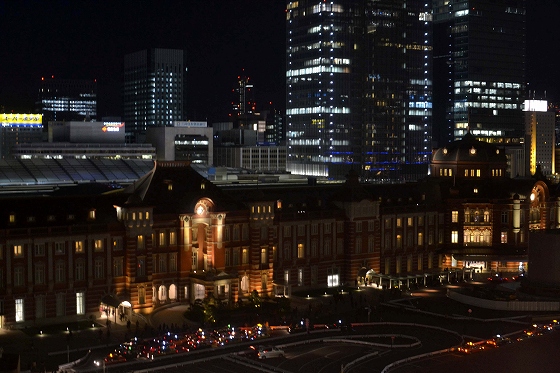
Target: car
x=270, y=352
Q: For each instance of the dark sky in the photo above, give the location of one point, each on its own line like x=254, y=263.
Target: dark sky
x=87, y=39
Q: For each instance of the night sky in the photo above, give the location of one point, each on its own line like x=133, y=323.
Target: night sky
x=88, y=39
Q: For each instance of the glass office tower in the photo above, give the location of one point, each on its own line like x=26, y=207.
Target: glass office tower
x=359, y=88
x=154, y=86
x=479, y=56
x=67, y=99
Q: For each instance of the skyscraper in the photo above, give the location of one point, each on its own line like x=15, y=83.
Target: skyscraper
x=359, y=88
x=154, y=89
x=479, y=57
x=67, y=99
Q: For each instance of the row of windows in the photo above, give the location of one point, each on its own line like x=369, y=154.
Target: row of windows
x=410, y=221
x=475, y=216
x=327, y=228
x=482, y=237
x=12, y=217
x=398, y=240
x=409, y=263
x=244, y=230
x=165, y=263
x=40, y=306
x=333, y=276
x=234, y=259
x=60, y=275
x=40, y=249
x=165, y=238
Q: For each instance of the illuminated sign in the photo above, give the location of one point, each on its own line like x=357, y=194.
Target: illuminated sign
x=112, y=126
x=10, y=118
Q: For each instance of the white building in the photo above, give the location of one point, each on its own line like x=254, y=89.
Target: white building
x=186, y=140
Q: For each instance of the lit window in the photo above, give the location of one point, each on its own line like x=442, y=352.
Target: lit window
x=454, y=236
x=503, y=237
x=140, y=242
x=18, y=251
x=78, y=246
x=300, y=251
x=80, y=304
x=91, y=214
x=454, y=216
x=19, y=310
x=98, y=245
x=245, y=256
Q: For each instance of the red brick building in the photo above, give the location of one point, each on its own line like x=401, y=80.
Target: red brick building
x=174, y=236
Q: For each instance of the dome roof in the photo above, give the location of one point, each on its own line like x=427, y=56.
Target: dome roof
x=469, y=150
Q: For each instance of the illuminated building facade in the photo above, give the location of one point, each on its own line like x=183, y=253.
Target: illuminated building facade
x=245, y=101
x=19, y=129
x=359, y=88
x=479, y=54
x=67, y=99
x=173, y=236
x=154, y=90
x=541, y=136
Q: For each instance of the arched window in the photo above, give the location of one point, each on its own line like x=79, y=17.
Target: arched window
x=245, y=284
x=173, y=292
x=162, y=293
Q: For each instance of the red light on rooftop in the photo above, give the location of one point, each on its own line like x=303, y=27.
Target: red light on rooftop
x=52, y=76
x=42, y=78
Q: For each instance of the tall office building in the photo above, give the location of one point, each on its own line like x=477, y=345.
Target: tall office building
x=154, y=90
x=359, y=88
x=244, y=103
x=541, y=136
x=67, y=99
x=479, y=56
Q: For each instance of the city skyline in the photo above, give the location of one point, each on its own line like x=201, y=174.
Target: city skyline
x=86, y=41
x=219, y=38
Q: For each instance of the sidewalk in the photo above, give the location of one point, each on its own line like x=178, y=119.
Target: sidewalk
x=55, y=346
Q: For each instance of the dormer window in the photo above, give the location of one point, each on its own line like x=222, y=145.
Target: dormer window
x=445, y=151
x=473, y=151
x=12, y=218
x=30, y=219
x=202, y=186
x=51, y=218
x=91, y=214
